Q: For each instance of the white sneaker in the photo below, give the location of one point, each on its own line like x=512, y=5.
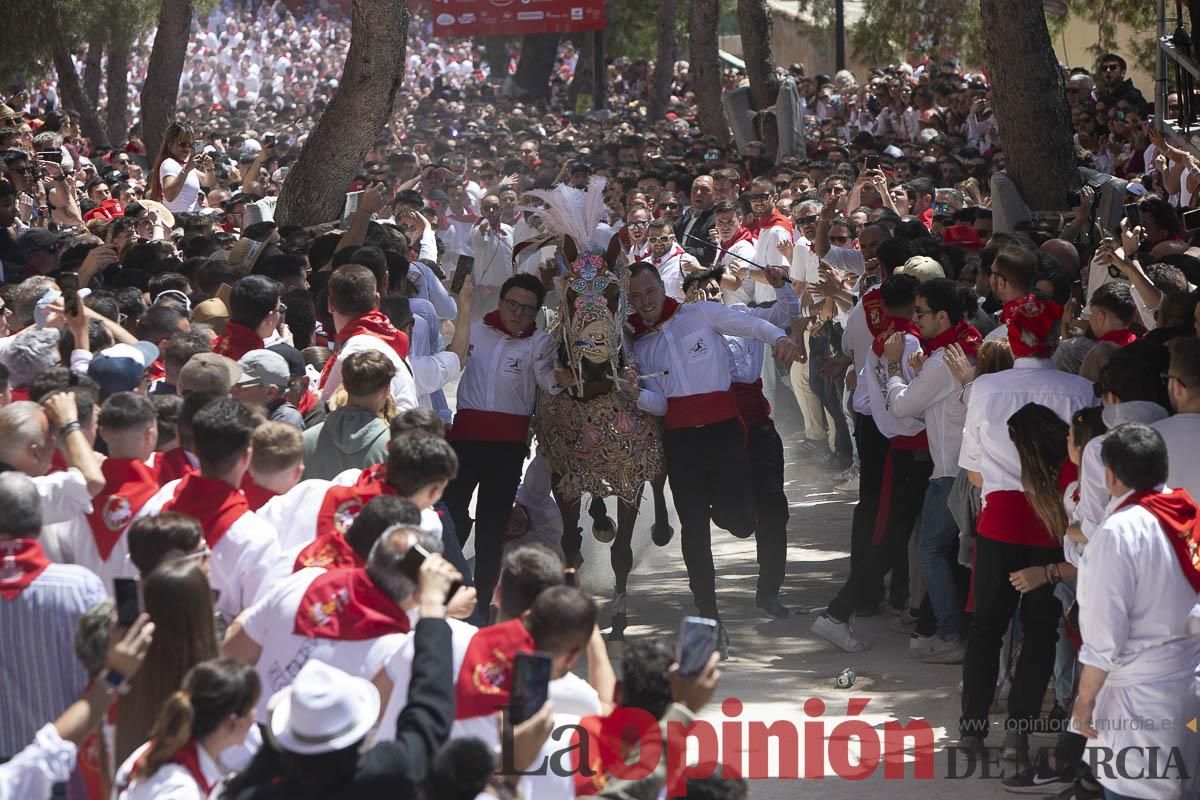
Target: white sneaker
x=839, y=634
x=850, y=486
x=943, y=652
x=919, y=647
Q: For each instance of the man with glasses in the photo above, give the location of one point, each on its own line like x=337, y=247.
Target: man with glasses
x=510, y=360
x=671, y=261
x=736, y=254
x=1182, y=430
x=1114, y=85
x=492, y=244
x=637, y=224
x=255, y=313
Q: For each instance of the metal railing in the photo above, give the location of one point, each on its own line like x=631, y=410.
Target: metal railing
x=1177, y=69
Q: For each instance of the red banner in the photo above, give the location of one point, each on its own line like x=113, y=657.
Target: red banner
x=514, y=17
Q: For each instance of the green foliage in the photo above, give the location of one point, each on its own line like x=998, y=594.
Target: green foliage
x=1140, y=16
x=631, y=29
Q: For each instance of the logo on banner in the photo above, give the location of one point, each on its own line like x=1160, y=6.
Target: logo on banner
x=445, y=19
x=576, y=14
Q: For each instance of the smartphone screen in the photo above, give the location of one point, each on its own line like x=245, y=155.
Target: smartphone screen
x=54, y=156
x=410, y=565
x=530, y=685
x=871, y=162
x=127, y=593
x=1133, y=215
x=69, y=283
x=697, y=642
x=466, y=265
x=1191, y=219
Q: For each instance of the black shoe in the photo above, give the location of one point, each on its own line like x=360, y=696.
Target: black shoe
x=661, y=533
x=837, y=462
x=1016, y=748
x=972, y=744
x=619, y=623
x=1039, y=779
x=722, y=641
x=1077, y=791
x=773, y=607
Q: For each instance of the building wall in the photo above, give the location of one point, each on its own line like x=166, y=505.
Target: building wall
x=1072, y=45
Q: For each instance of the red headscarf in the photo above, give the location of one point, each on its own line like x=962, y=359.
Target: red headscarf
x=1030, y=321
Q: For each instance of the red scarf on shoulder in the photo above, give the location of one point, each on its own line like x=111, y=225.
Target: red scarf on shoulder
x=237, y=341
x=256, y=495
x=742, y=234
x=1179, y=518
x=172, y=465
x=961, y=333
x=21, y=561
x=492, y=320
x=893, y=325
x=343, y=503
x=374, y=323
x=128, y=484
x=213, y=503
x=344, y=605
x=187, y=757
x=485, y=678
x=640, y=328
x=876, y=314
x=774, y=219
x=1119, y=338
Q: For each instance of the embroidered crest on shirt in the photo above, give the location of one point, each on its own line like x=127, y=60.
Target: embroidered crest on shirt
x=118, y=512
x=489, y=676
x=346, y=513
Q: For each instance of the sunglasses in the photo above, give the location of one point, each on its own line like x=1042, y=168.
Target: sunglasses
x=1111, y=67
x=659, y=239
x=759, y=197
x=839, y=239
x=807, y=220
x=668, y=205
x=639, y=224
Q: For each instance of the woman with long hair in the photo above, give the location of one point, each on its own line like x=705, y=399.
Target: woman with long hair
x=212, y=712
x=179, y=171
x=178, y=599
x=1040, y=437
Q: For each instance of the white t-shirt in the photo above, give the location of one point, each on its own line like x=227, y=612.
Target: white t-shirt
x=188, y=197
x=270, y=623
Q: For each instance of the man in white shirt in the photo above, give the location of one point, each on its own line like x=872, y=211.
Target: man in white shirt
x=637, y=222
x=1139, y=617
x=671, y=261
x=1182, y=431
x=492, y=245
x=736, y=255
x=352, y=618
x=935, y=396
x=245, y=548
x=1010, y=536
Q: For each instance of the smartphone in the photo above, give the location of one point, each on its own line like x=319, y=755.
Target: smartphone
x=198, y=149
x=466, y=265
x=1191, y=219
x=1133, y=215
x=530, y=687
x=69, y=283
x=871, y=162
x=127, y=593
x=410, y=566
x=54, y=156
x=697, y=642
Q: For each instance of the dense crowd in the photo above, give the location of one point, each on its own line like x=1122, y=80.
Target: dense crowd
x=240, y=461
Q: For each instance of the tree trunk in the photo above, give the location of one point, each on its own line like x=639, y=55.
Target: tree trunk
x=1030, y=102
x=73, y=97
x=754, y=22
x=117, y=111
x=664, y=61
x=704, y=67
x=583, y=82
x=538, y=51
x=495, y=49
x=91, y=68
x=315, y=189
x=161, y=89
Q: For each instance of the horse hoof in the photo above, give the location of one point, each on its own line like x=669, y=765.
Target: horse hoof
x=619, y=623
x=604, y=529
x=661, y=533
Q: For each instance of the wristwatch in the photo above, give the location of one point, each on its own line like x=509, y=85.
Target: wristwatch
x=115, y=681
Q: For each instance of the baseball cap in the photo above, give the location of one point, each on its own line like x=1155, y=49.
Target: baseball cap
x=923, y=268
x=122, y=367
x=293, y=357
x=208, y=372
x=265, y=367
x=213, y=312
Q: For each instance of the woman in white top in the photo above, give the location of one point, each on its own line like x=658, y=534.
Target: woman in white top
x=178, y=172
x=211, y=713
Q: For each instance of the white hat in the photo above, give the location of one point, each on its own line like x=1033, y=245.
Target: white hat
x=923, y=268
x=323, y=710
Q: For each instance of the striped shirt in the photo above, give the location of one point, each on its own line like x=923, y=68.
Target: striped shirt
x=39, y=674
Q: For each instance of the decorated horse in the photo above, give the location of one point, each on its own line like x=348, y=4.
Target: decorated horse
x=597, y=440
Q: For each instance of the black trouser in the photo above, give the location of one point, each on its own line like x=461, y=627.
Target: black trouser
x=708, y=470
x=495, y=467
x=995, y=602
x=765, y=450
x=863, y=588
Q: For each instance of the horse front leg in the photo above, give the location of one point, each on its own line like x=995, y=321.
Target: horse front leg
x=572, y=538
x=621, y=556
x=661, y=531
x=603, y=527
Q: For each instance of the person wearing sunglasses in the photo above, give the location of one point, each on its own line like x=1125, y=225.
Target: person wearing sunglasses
x=671, y=260
x=634, y=234
x=510, y=360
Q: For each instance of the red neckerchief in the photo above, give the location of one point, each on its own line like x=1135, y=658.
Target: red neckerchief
x=307, y=403
x=610, y=739
x=158, y=370
x=237, y=341
x=329, y=551
x=343, y=503
x=128, y=484
x=21, y=561
x=1030, y=321
x=894, y=325
x=1179, y=518
x=492, y=320
x=344, y=605
x=58, y=463
x=667, y=256
x=876, y=314
x=742, y=234
x=256, y=495
x=640, y=328
x=1119, y=338
x=772, y=220
x=961, y=333
x=373, y=323
x=213, y=503
x=187, y=757
x=172, y=465
x=484, y=678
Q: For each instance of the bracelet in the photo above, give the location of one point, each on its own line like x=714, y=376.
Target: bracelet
x=71, y=427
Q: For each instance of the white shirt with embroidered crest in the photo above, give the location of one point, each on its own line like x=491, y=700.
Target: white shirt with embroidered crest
x=504, y=372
